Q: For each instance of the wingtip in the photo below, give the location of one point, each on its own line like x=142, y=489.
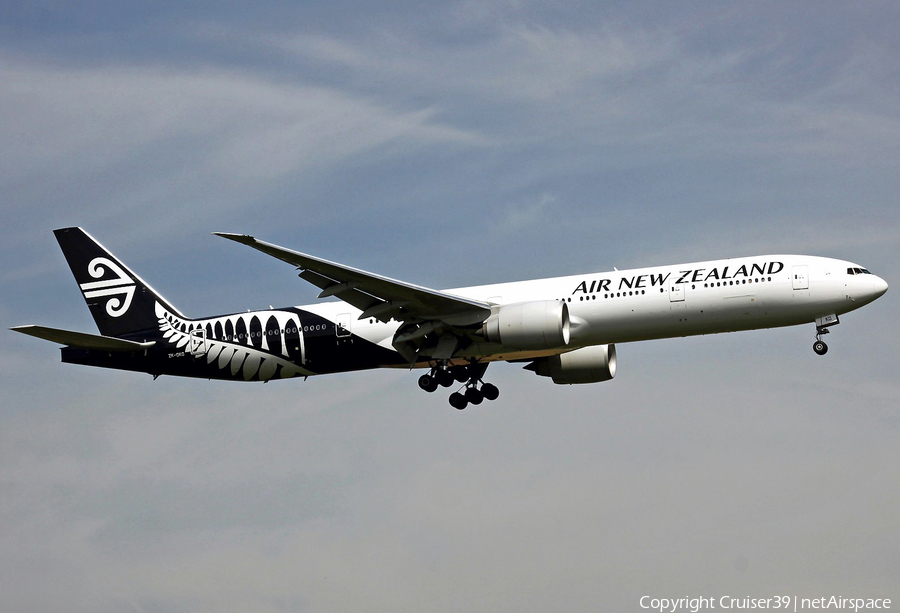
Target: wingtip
x=240, y=238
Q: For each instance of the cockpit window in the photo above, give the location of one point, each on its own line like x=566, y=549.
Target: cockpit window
x=858, y=271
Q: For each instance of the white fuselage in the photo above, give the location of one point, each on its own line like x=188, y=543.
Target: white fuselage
x=667, y=301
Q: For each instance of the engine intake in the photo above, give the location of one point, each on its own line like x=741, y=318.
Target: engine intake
x=541, y=324
x=586, y=365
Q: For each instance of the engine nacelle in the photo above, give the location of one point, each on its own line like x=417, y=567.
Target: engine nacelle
x=586, y=365
x=542, y=324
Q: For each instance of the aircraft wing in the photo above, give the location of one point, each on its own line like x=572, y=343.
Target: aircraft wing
x=376, y=296
x=82, y=340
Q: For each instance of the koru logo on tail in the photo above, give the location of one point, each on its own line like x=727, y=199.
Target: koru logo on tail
x=119, y=289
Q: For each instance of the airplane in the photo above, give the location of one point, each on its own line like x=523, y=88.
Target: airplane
x=564, y=328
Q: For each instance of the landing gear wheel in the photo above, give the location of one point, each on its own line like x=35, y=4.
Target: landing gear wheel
x=428, y=383
x=820, y=347
x=474, y=395
x=490, y=391
x=444, y=377
x=458, y=401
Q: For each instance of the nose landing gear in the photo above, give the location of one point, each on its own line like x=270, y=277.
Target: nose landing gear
x=822, y=325
x=475, y=391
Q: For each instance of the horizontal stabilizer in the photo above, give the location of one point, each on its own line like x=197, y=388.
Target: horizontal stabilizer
x=82, y=340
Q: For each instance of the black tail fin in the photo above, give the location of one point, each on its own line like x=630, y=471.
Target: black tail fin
x=119, y=300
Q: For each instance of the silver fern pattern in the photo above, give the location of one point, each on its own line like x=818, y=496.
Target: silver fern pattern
x=252, y=345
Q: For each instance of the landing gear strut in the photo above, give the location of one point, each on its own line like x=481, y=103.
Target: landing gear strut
x=475, y=391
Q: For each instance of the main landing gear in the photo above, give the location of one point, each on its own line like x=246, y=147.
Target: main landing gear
x=473, y=392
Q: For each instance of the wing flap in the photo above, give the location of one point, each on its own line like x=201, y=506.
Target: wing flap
x=82, y=340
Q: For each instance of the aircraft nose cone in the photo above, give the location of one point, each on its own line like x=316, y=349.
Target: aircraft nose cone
x=879, y=286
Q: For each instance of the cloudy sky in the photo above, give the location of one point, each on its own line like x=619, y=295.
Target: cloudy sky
x=448, y=144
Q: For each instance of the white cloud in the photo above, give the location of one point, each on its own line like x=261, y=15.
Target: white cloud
x=141, y=141
x=516, y=62
x=525, y=216
x=633, y=93
x=60, y=117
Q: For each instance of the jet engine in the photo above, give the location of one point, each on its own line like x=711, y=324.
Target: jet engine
x=542, y=324
x=586, y=365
